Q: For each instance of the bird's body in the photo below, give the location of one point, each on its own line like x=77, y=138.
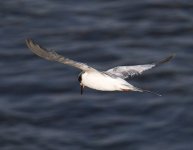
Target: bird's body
x=110, y=80
x=104, y=82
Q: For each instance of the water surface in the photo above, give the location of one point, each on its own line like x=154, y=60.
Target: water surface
x=41, y=107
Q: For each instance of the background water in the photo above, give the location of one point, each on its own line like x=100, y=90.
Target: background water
x=40, y=103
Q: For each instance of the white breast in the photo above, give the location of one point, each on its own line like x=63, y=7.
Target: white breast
x=103, y=82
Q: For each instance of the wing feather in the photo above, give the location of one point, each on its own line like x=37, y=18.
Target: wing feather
x=53, y=56
x=126, y=71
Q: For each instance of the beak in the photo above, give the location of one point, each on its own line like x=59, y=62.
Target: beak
x=81, y=89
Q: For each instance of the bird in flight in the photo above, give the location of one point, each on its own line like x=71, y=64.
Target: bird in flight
x=110, y=80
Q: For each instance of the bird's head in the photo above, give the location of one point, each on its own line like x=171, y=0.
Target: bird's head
x=80, y=81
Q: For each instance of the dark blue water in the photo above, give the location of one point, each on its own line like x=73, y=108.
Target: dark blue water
x=40, y=103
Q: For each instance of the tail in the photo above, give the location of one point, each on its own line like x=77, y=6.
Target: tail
x=142, y=90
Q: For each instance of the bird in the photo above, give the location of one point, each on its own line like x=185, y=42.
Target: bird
x=113, y=79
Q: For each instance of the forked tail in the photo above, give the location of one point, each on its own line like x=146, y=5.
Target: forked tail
x=142, y=90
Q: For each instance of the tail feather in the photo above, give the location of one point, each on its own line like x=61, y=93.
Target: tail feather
x=142, y=90
x=152, y=92
x=133, y=88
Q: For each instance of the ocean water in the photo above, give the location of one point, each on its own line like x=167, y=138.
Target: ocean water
x=40, y=103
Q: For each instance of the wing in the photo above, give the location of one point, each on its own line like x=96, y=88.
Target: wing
x=53, y=56
x=126, y=71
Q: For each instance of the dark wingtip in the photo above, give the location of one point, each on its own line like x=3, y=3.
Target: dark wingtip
x=169, y=58
x=28, y=42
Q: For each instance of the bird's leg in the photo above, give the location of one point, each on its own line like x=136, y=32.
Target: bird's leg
x=81, y=89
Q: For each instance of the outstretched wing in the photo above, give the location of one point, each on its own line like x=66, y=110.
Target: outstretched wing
x=53, y=56
x=126, y=71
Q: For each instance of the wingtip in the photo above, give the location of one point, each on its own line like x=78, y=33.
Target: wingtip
x=167, y=59
x=172, y=56
x=28, y=42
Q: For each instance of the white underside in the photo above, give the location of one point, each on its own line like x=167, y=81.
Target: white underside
x=103, y=82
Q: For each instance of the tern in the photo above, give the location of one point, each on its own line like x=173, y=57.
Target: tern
x=110, y=80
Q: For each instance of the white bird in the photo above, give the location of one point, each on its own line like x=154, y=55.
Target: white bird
x=110, y=80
